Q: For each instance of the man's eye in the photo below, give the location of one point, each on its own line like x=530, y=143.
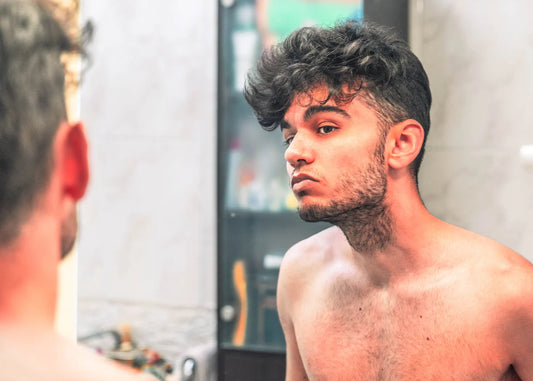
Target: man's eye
x=288, y=141
x=326, y=129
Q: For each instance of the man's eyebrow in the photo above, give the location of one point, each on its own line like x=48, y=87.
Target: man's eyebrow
x=311, y=111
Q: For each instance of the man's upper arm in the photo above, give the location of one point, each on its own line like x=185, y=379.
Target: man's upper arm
x=521, y=339
x=288, y=290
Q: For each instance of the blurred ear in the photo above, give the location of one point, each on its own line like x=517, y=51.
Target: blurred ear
x=74, y=160
x=404, y=142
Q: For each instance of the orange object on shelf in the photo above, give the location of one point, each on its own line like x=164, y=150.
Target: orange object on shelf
x=239, y=281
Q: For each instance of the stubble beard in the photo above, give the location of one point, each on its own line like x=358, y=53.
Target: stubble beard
x=69, y=230
x=362, y=213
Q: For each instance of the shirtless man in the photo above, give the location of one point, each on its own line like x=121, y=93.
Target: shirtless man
x=43, y=173
x=390, y=292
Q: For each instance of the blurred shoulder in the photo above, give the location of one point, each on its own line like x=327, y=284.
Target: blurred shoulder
x=92, y=366
x=45, y=356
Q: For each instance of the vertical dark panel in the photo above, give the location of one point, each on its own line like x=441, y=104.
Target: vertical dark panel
x=393, y=13
x=251, y=366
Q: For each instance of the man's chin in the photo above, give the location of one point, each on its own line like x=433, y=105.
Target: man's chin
x=314, y=213
x=307, y=217
x=332, y=212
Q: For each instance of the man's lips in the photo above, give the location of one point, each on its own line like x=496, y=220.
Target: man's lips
x=295, y=179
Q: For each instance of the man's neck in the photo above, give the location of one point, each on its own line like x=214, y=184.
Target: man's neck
x=368, y=230
x=28, y=276
x=395, y=242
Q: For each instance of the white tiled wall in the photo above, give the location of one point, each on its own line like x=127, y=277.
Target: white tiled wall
x=478, y=55
x=147, y=229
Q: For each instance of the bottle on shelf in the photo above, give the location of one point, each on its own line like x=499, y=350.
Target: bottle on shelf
x=245, y=39
x=232, y=181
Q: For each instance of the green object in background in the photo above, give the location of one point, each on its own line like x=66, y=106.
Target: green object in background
x=284, y=16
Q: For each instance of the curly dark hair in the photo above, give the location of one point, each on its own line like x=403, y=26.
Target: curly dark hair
x=351, y=58
x=32, y=105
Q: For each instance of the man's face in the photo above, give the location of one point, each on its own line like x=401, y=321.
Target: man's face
x=334, y=157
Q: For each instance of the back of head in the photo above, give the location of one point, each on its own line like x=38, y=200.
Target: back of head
x=32, y=106
x=351, y=58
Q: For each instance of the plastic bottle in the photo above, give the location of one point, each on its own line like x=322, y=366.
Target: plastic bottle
x=232, y=180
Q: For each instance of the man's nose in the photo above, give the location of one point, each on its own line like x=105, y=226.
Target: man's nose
x=299, y=151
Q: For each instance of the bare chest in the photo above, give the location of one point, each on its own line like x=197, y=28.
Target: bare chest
x=379, y=337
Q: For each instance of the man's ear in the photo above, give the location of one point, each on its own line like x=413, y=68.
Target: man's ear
x=404, y=142
x=74, y=164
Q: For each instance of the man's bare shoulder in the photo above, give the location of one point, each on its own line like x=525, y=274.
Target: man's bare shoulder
x=48, y=357
x=495, y=257
x=511, y=275
x=503, y=271
x=305, y=261
x=91, y=366
x=507, y=278
x=314, y=251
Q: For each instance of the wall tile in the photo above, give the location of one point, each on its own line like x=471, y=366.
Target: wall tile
x=147, y=247
x=483, y=191
x=144, y=222
x=478, y=56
